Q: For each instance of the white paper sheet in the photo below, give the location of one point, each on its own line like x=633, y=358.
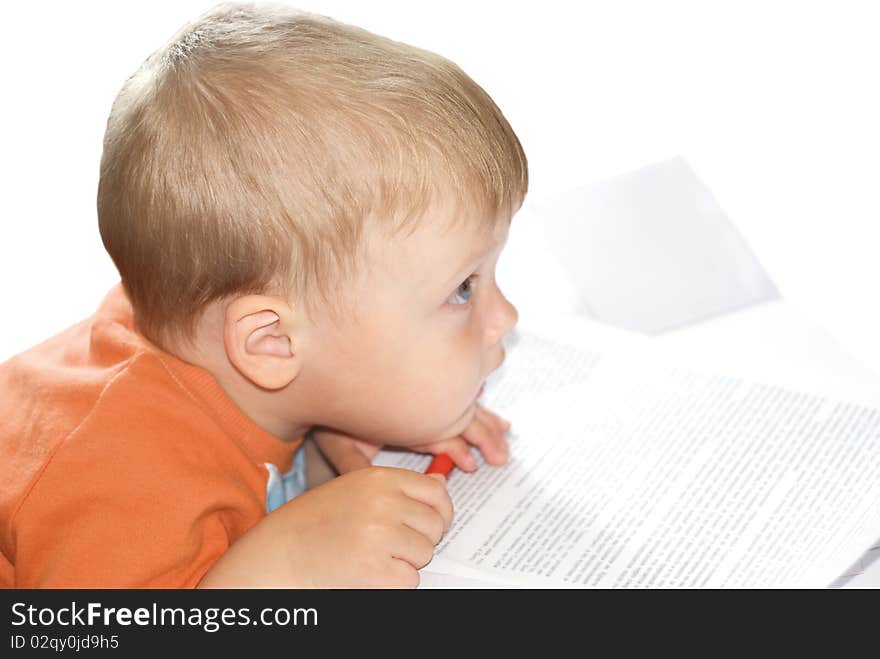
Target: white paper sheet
x=651, y=250
x=634, y=474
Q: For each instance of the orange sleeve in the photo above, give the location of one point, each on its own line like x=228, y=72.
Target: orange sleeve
x=157, y=512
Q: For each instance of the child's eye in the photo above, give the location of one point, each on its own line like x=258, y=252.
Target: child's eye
x=463, y=292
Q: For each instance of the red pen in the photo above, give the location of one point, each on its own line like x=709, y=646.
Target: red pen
x=441, y=464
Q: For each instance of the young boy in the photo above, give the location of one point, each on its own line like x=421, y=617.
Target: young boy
x=306, y=218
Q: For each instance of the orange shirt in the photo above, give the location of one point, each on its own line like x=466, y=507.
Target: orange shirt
x=121, y=465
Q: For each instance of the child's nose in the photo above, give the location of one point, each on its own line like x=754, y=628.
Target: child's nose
x=504, y=317
x=511, y=315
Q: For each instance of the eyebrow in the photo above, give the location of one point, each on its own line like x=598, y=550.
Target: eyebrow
x=472, y=260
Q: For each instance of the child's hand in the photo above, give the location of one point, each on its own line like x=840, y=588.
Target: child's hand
x=486, y=432
x=369, y=528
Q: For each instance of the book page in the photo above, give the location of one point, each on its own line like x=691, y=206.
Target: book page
x=628, y=473
x=865, y=573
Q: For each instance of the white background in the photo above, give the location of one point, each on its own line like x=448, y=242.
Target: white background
x=775, y=105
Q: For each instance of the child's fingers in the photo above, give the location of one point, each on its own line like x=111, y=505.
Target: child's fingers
x=486, y=437
x=424, y=489
x=457, y=449
x=424, y=519
x=409, y=545
x=493, y=419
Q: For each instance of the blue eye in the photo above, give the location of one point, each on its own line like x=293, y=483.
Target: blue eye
x=465, y=290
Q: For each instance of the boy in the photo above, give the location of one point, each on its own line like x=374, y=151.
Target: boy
x=306, y=218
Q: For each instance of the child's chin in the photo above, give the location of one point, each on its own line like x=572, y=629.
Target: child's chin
x=461, y=424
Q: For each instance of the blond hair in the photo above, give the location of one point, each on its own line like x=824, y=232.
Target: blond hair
x=245, y=155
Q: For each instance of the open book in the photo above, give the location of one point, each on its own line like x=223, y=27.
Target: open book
x=626, y=471
x=632, y=466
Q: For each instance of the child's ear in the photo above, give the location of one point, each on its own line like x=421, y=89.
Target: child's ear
x=259, y=340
